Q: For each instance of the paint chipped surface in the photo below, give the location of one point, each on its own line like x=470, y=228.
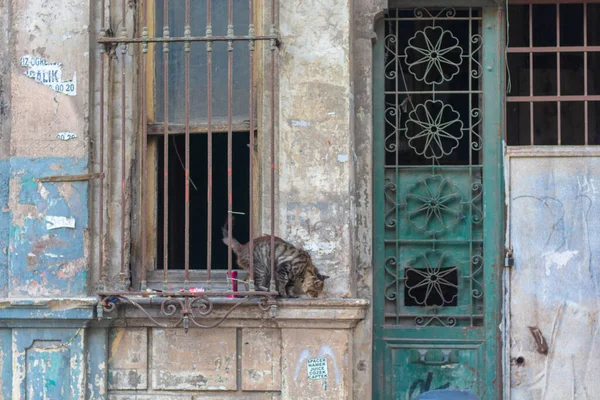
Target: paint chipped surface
x=128, y=359
x=5, y=217
x=555, y=291
x=48, y=241
x=342, y=158
x=54, y=357
x=261, y=359
x=179, y=363
x=300, y=123
x=49, y=74
x=5, y=364
x=301, y=345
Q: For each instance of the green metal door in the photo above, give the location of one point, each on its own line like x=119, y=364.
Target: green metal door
x=438, y=201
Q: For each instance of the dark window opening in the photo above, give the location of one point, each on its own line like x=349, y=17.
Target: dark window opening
x=199, y=199
x=553, y=68
x=410, y=101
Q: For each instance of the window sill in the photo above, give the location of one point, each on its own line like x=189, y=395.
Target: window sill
x=46, y=311
x=327, y=313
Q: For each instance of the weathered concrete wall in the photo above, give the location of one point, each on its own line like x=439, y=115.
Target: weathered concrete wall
x=5, y=57
x=366, y=14
x=555, y=289
x=324, y=205
x=248, y=357
x=47, y=49
x=315, y=131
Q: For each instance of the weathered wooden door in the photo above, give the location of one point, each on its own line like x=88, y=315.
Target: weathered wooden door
x=438, y=201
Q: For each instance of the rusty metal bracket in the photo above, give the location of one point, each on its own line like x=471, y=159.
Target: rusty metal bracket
x=186, y=306
x=541, y=345
x=509, y=261
x=69, y=178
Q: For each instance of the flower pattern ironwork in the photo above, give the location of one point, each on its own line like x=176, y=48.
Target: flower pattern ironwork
x=433, y=129
x=433, y=55
x=433, y=204
x=435, y=287
x=432, y=73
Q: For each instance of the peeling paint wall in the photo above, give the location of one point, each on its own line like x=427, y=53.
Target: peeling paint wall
x=365, y=16
x=315, y=131
x=47, y=223
x=50, y=345
x=555, y=289
x=44, y=74
x=232, y=363
x=47, y=257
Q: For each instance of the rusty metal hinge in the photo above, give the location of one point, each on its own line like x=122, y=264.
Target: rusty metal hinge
x=509, y=261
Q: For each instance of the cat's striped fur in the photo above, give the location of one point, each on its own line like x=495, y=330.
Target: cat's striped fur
x=295, y=273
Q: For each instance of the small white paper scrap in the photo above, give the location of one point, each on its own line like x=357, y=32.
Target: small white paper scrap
x=55, y=222
x=317, y=368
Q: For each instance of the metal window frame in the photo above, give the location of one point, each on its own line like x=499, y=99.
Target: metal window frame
x=558, y=50
x=191, y=304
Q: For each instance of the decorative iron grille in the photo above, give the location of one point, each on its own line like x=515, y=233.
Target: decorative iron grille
x=433, y=167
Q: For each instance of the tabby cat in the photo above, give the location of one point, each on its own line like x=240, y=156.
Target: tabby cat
x=295, y=273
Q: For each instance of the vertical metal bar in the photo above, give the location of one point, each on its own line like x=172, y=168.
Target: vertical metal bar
x=531, y=125
x=229, y=139
x=272, y=110
x=585, y=74
x=471, y=308
x=166, y=34
x=101, y=270
x=559, y=130
x=209, y=45
x=144, y=148
x=123, y=88
x=399, y=269
x=251, y=199
x=187, y=48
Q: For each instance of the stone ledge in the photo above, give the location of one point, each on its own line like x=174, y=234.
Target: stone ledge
x=289, y=313
x=66, y=308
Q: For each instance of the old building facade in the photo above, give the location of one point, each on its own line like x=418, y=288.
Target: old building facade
x=437, y=159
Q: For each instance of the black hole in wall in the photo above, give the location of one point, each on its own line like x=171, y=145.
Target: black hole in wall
x=518, y=15
x=431, y=288
x=544, y=74
x=519, y=67
x=572, y=120
x=571, y=24
x=544, y=25
x=594, y=122
x=520, y=361
x=593, y=73
x=593, y=27
x=518, y=124
x=571, y=74
x=545, y=121
x=198, y=198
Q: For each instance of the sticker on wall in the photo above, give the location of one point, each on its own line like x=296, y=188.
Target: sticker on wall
x=56, y=222
x=49, y=74
x=317, y=368
x=66, y=136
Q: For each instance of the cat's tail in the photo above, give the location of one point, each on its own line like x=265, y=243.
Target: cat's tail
x=235, y=245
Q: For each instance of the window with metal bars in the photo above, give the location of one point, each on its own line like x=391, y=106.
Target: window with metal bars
x=206, y=104
x=553, y=57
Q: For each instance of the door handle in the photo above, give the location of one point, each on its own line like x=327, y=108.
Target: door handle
x=446, y=355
